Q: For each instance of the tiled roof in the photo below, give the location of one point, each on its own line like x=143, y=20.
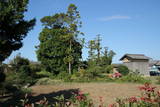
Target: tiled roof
x=154, y=62
x=136, y=56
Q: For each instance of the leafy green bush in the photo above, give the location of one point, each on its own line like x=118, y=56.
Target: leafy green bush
x=64, y=76
x=47, y=81
x=35, y=67
x=18, y=61
x=19, y=79
x=97, y=69
x=21, y=73
x=25, y=69
x=134, y=78
x=108, y=68
x=123, y=70
x=43, y=74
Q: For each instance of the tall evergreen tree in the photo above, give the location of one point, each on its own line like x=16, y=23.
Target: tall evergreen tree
x=59, y=46
x=107, y=57
x=13, y=27
x=97, y=57
x=74, y=23
x=98, y=47
x=91, y=52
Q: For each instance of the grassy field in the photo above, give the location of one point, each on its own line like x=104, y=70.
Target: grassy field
x=109, y=91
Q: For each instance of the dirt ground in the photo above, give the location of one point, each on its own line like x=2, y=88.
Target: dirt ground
x=109, y=91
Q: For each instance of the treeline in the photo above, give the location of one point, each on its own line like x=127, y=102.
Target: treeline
x=60, y=48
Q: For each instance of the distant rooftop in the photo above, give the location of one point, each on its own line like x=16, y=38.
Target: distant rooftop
x=135, y=56
x=154, y=62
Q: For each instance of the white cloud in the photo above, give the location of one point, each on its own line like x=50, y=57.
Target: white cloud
x=115, y=17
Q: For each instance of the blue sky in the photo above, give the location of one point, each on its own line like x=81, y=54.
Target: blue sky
x=126, y=26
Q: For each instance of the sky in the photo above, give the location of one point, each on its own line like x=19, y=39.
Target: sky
x=125, y=26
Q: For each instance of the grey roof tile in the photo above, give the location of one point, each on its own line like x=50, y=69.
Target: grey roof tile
x=136, y=56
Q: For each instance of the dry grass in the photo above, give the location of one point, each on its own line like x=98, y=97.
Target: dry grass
x=109, y=91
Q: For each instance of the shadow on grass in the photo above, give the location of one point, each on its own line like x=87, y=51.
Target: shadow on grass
x=15, y=99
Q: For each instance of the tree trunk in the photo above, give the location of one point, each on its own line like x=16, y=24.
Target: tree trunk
x=69, y=68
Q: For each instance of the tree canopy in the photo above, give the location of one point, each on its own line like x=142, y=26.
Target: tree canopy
x=13, y=26
x=59, y=44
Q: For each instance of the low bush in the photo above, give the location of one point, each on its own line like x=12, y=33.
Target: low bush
x=19, y=79
x=43, y=74
x=64, y=76
x=108, y=69
x=134, y=78
x=47, y=81
x=123, y=69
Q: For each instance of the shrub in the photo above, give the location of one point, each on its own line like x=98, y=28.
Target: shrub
x=123, y=70
x=43, y=74
x=97, y=69
x=19, y=79
x=109, y=69
x=134, y=78
x=47, y=81
x=64, y=76
x=35, y=67
x=18, y=61
x=25, y=69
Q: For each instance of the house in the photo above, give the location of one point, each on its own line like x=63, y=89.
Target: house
x=136, y=62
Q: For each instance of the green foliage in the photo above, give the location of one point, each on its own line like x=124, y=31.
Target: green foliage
x=134, y=78
x=123, y=69
x=26, y=90
x=107, y=57
x=158, y=79
x=97, y=69
x=47, y=81
x=107, y=69
x=59, y=45
x=18, y=62
x=98, y=47
x=43, y=73
x=91, y=52
x=99, y=60
x=13, y=27
x=21, y=73
x=88, y=76
x=64, y=76
x=35, y=67
x=19, y=79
